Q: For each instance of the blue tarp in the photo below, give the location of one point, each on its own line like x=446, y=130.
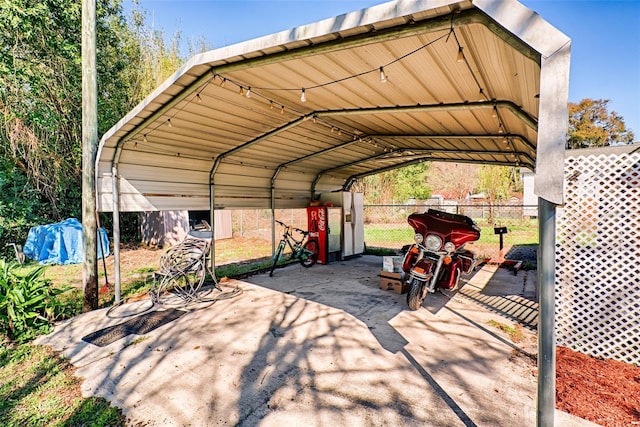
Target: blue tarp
x=60, y=243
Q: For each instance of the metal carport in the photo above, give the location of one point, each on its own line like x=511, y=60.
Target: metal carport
x=272, y=122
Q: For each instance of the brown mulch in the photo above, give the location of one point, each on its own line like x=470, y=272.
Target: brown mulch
x=606, y=392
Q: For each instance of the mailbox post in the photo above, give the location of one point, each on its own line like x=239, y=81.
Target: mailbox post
x=501, y=231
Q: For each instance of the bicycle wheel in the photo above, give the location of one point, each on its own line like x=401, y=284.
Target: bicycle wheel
x=276, y=257
x=309, y=254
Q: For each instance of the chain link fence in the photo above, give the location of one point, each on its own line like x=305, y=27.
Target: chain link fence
x=252, y=233
x=385, y=226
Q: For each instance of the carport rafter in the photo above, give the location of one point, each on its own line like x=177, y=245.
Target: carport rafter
x=507, y=136
x=431, y=151
x=472, y=152
x=463, y=106
x=350, y=180
x=526, y=118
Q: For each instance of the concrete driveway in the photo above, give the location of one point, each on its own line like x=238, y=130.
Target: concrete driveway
x=324, y=347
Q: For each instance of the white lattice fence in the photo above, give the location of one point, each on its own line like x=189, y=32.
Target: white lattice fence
x=597, y=254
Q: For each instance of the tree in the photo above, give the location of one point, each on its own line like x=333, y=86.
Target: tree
x=397, y=185
x=496, y=183
x=460, y=179
x=592, y=125
x=40, y=100
x=411, y=182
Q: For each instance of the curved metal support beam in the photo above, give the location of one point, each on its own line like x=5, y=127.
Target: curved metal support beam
x=526, y=118
x=349, y=181
x=188, y=90
x=518, y=154
x=519, y=137
x=254, y=141
x=427, y=150
x=307, y=157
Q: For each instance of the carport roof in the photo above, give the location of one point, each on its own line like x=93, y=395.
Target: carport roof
x=274, y=121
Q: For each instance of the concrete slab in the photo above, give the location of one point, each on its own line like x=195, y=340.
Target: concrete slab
x=316, y=347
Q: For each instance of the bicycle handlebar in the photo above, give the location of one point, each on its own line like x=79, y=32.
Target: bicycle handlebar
x=294, y=228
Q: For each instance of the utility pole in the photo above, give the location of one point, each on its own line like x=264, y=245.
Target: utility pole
x=89, y=150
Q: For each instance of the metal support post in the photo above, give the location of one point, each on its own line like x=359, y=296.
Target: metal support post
x=546, y=325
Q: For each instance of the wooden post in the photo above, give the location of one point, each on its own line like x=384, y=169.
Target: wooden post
x=89, y=151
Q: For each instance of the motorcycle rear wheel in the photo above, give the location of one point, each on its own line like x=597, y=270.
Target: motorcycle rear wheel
x=414, y=296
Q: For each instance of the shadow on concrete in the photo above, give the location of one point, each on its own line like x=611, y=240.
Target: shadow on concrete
x=320, y=346
x=358, y=294
x=512, y=296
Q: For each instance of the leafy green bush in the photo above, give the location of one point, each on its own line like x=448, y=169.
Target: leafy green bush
x=28, y=302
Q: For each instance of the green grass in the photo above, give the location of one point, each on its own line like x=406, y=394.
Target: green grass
x=241, y=269
x=38, y=388
x=380, y=251
x=516, y=235
x=393, y=235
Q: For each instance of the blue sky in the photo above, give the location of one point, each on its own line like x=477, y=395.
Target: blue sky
x=605, y=35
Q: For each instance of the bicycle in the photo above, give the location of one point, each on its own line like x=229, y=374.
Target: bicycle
x=306, y=249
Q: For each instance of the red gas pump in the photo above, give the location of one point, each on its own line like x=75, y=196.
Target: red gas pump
x=318, y=227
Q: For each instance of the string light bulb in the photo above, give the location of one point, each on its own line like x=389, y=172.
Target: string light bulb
x=494, y=113
x=248, y=95
x=460, y=54
x=222, y=82
x=169, y=123
x=282, y=109
x=241, y=91
x=303, y=97
x=144, y=137
x=199, y=98
x=383, y=76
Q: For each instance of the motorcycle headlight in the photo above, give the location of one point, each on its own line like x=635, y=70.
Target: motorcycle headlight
x=449, y=247
x=418, y=238
x=433, y=242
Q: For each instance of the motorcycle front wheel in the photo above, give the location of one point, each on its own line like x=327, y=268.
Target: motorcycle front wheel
x=414, y=297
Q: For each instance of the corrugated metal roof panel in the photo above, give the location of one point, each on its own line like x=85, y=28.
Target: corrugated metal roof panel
x=432, y=107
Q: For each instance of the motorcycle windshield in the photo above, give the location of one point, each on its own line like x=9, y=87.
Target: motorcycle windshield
x=458, y=229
